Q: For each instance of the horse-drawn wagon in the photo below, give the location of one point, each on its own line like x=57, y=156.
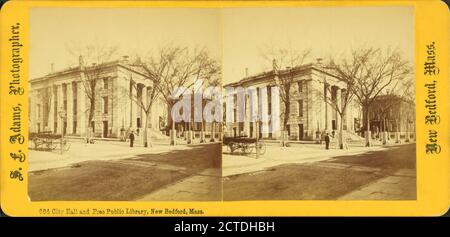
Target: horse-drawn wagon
x=244, y=145
x=47, y=141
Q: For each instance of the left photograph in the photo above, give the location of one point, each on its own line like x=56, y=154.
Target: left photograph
x=117, y=104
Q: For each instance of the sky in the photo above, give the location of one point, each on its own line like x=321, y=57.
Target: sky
x=235, y=35
x=133, y=30
x=326, y=31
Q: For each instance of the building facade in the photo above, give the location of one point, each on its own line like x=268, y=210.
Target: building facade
x=312, y=92
x=60, y=101
x=392, y=113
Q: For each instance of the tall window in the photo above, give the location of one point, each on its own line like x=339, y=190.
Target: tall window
x=74, y=89
x=105, y=83
x=75, y=108
x=105, y=104
x=46, y=112
x=55, y=103
x=64, y=89
x=74, y=128
x=300, y=108
x=39, y=111
x=300, y=86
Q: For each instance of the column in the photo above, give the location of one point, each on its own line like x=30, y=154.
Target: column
x=60, y=107
x=81, y=110
x=275, y=113
x=339, y=106
x=132, y=108
x=264, y=115
x=253, y=102
x=32, y=118
x=52, y=112
x=69, y=111
x=328, y=109
x=247, y=116
x=325, y=97
x=338, y=118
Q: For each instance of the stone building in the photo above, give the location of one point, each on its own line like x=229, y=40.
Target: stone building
x=392, y=113
x=310, y=113
x=59, y=102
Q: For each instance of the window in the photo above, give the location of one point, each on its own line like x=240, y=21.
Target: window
x=46, y=114
x=105, y=104
x=39, y=111
x=75, y=108
x=74, y=89
x=300, y=86
x=300, y=108
x=74, y=127
x=105, y=83
x=138, y=122
x=64, y=88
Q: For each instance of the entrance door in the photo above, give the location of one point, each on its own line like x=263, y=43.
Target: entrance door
x=105, y=128
x=300, y=131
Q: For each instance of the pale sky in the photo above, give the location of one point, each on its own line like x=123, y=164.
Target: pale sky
x=141, y=30
x=327, y=31
x=233, y=34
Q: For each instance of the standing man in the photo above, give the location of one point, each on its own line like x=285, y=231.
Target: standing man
x=131, y=138
x=327, y=141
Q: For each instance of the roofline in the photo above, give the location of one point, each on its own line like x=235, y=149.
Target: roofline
x=76, y=69
x=400, y=97
x=283, y=71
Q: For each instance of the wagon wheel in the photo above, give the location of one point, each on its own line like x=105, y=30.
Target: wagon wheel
x=261, y=148
x=50, y=144
x=246, y=149
x=232, y=147
x=37, y=143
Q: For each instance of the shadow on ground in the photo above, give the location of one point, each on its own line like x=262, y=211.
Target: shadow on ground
x=324, y=180
x=125, y=179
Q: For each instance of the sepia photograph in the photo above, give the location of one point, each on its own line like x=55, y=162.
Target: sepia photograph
x=224, y=104
x=320, y=104
x=104, y=86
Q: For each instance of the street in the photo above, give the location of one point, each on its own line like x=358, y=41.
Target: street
x=189, y=173
x=380, y=174
x=196, y=173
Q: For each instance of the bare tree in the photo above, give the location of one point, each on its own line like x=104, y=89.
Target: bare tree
x=341, y=103
x=92, y=58
x=287, y=58
x=372, y=71
x=172, y=67
x=400, y=91
x=145, y=101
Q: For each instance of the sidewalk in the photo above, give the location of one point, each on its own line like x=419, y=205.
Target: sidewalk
x=80, y=151
x=205, y=186
x=276, y=155
x=400, y=186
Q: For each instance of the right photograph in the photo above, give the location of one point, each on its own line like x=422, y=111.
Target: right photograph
x=319, y=104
